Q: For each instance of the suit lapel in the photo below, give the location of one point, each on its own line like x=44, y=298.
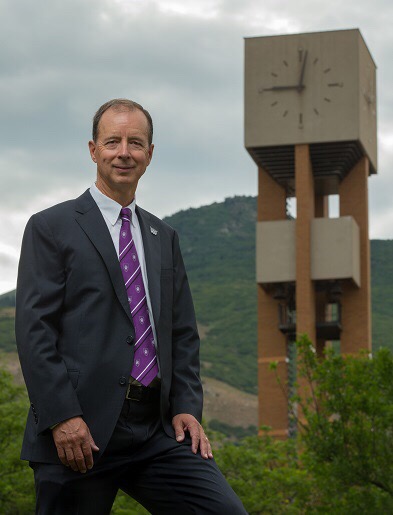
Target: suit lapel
x=90, y=219
x=152, y=248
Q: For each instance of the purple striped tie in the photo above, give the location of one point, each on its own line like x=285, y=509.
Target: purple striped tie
x=145, y=367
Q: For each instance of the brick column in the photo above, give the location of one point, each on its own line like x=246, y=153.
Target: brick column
x=356, y=302
x=273, y=409
x=305, y=292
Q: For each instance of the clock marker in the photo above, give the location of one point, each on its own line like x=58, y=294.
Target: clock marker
x=274, y=103
x=336, y=85
x=316, y=60
x=274, y=74
x=327, y=70
x=286, y=64
x=285, y=113
x=316, y=111
x=326, y=99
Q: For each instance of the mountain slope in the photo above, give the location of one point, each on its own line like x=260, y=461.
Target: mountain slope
x=382, y=293
x=218, y=245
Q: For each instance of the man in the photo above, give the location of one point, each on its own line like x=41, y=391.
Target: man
x=108, y=345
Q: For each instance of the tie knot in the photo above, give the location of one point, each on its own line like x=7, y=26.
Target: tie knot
x=125, y=214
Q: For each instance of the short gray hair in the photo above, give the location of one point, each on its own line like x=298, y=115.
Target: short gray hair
x=117, y=103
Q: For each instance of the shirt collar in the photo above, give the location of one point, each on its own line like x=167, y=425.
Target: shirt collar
x=109, y=207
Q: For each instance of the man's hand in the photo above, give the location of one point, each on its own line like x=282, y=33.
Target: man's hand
x=185, y=422
x=74, y=444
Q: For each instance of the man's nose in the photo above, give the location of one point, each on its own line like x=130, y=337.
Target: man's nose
x=124, y=151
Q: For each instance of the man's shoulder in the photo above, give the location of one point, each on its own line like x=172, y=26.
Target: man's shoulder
x=81, y=203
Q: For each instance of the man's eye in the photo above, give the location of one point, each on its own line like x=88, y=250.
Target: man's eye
x=136, y=145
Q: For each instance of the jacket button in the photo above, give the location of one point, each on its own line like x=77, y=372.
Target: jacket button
x=122, y=381
x=129, y=339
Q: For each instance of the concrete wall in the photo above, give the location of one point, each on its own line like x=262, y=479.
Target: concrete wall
x=335, y=250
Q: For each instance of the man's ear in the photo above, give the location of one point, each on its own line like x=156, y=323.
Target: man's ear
x=92, y=149
x=150, y=153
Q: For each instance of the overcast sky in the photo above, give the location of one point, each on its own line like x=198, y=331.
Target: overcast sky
x=183, y=60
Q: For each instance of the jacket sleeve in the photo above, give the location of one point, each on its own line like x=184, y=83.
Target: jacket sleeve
x=186, y=390
x=39, y=300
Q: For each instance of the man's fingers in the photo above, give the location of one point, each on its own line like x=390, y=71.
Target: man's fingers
x=62, y=456
x=74, y=444
x=81, y=459
x=88, y=455
x=71, y=459
x=206, y=450
x=179, y=430
x=93, y=444
x=199, y=439
x=186, y=422
x=195, y=437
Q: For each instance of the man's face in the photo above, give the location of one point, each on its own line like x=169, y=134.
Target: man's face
x=122, y=151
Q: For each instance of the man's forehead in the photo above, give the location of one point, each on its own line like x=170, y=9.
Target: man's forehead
x=136, y=113
x=109, y=120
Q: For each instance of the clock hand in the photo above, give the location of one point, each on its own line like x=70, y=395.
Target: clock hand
x=283, y=88
x=301, y=85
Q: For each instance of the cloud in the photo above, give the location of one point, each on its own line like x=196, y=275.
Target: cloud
x=181, y=60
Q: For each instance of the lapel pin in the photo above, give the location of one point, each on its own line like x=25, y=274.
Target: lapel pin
x=153, y=231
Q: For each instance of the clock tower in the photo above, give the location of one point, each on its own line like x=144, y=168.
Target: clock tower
x=310, y=126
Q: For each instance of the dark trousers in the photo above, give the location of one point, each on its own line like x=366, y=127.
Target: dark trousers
x=143, y=461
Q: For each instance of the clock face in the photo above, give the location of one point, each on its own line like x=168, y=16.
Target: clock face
x=300, y=88
x=310, y=88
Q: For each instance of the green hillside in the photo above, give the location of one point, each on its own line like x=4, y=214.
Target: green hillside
x=218, y=244
x=7, y=338
x=382, y=292
x=7, y=299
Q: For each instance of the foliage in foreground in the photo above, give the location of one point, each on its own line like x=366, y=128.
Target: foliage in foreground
x=348, y=435
x=341, y=461
x=16, y=484
x=266, y=474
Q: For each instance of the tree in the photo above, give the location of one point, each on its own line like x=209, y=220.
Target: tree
x=341, y=461
x=266, y=474
x=16, y=478
x=347, y=437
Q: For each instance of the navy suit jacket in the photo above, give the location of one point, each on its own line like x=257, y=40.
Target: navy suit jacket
x=75, y=332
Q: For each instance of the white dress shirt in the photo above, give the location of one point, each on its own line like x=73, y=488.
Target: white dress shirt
x=110, y=210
